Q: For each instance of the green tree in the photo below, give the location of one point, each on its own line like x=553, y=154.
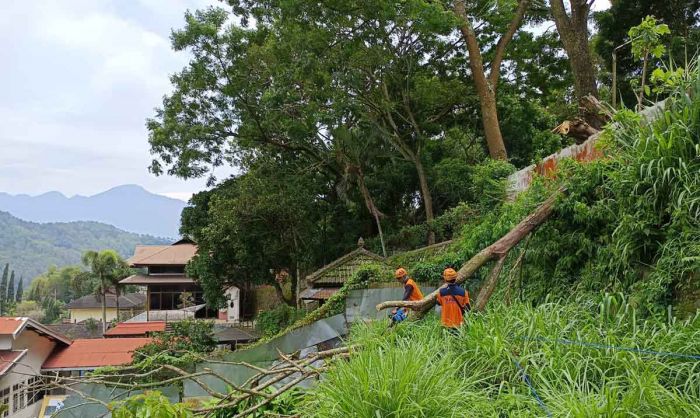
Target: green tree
x=20, y=290
x=3, y=289
x=613, y=25
x=573, y=32
x=10, y=298
x=487, y=85
x=105, y=266
x=646, y=42
x=53, y=309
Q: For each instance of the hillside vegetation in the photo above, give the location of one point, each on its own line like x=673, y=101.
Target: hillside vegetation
x=32, y=247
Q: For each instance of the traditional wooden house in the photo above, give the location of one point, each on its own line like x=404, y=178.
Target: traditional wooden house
x=326, y=281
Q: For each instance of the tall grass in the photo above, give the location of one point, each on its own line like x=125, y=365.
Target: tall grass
x=417, y=370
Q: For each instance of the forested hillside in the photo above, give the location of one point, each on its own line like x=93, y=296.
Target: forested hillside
x=32, y=247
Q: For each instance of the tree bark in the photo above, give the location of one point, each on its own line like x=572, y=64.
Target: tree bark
x=485, y=91
x=116, y=294
x=490, y=285
x=427, y=198
x=497, y=250
x=486, y=87
x=573, y=31
x=104, y=308
x=371, y=207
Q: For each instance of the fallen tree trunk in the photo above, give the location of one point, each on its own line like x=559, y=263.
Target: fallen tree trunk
x=497, y=250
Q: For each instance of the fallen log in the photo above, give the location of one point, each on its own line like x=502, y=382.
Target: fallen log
x=496, y=251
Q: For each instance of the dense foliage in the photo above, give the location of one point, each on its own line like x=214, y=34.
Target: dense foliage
x=418, y=369
x=181, y=347
x=32, y=248
x=273, y=321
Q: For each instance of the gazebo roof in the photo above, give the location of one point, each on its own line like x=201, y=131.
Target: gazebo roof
x=339, y=271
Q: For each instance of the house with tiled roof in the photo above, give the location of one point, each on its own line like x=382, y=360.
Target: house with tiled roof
x=135, y=329
x=24, y=347
x=326, y=281
x=86, y=355
x=90, y=307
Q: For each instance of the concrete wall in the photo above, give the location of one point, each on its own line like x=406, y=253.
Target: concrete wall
x=39, y=349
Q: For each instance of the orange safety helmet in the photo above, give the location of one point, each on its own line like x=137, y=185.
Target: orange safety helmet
x=401, y=272
x=449, y=274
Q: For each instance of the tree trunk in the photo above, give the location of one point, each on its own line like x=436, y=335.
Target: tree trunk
x=485, y=91
x=490, y=285
x=640, y=100
x=371, y=207
x=497, y=250
x=573, y=31
x=104, y=308
x=116, y=294
x=280, y=295
x=427, y=198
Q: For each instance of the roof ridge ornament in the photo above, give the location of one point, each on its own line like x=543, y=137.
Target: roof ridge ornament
x=360, y=243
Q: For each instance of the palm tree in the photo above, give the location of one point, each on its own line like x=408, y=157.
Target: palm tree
x=104, y=266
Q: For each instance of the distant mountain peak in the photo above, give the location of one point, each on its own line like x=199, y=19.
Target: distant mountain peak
x=129, y=207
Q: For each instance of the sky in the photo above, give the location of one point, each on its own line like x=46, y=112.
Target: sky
x=78, y=78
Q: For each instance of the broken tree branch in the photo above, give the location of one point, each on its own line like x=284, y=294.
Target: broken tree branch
x=497, y=250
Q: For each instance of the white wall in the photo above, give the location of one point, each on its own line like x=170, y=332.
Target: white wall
x=80, y=315
x=233, y=304
x=39, y=349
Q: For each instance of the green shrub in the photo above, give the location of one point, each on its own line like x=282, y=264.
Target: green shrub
x=273, y=321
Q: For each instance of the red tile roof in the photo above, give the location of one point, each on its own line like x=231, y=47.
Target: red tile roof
x=8, y=359
x=135, y=328
x=13, y=326
x=90, y=354
x=10, y=326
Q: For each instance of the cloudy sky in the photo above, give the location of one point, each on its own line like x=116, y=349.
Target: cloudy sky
x=78, y=78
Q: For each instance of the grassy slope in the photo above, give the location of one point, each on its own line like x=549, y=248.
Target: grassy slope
x=418, y=370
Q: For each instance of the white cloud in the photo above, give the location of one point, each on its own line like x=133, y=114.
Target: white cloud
x=79, y=78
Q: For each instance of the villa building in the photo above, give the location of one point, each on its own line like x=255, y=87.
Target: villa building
x=170, y=293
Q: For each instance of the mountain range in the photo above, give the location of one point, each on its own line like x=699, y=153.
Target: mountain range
x=31, y=247
x=128, y=207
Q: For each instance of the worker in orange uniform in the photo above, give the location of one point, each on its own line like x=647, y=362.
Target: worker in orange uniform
x=411, y=292
x=454, y=300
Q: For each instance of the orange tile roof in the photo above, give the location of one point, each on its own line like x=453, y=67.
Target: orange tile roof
x=10, y=325
x=90, y=354
x=13, y=326
x=163, y=255
x=135, y=328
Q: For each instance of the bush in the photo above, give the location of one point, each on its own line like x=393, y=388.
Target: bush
x=273, y=321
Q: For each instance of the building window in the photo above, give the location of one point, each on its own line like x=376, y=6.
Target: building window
x=5, y=400
x=166, y=270
x=35, y=390
x=15, y=398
